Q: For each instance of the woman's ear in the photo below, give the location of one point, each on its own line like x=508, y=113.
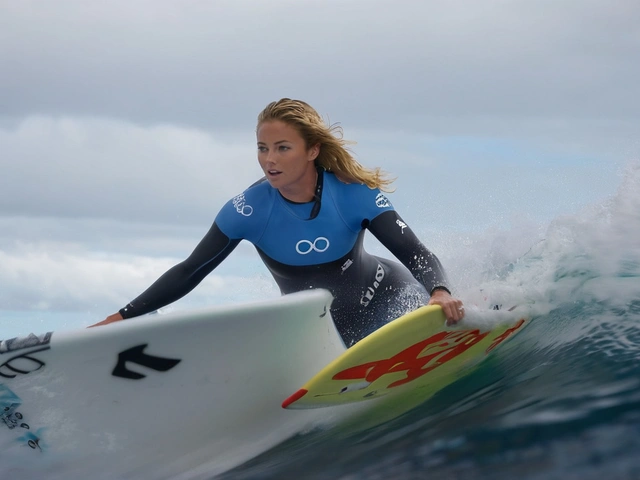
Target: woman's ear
x=314, y=151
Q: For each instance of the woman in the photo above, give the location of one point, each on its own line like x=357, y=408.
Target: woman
x=307, y=219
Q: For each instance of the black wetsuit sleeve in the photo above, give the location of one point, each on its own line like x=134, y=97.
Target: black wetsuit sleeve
x=400, y=240
x=180, y=279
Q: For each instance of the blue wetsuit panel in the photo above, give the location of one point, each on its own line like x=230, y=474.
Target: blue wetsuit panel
x=282, y=230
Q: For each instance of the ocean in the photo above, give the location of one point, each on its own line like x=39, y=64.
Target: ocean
x=560, y=401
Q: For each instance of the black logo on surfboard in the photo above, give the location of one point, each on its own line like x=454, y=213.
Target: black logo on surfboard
x=136, y=355
x=22, y=364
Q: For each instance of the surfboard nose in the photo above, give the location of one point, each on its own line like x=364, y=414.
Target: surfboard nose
x=294, y=398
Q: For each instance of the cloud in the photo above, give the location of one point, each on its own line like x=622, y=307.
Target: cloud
x=370, y=63
x=60, y=276
x=154, y=183
x=87, y=167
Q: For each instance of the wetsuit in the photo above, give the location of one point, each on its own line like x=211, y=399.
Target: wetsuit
x=318, y=244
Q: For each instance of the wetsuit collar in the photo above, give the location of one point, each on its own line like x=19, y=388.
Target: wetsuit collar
x=318, y=193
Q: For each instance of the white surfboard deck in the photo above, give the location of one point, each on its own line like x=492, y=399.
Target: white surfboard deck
x=162, y=396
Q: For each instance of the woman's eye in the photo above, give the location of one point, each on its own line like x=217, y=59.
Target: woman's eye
x=284, y=147
x=262, y=149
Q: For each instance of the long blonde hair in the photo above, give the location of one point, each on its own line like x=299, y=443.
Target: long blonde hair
x=334, y=156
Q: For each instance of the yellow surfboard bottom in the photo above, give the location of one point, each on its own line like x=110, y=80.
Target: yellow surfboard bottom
x=415, y=351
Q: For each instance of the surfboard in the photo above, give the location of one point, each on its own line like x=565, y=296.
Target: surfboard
x=415, y=353
x=161, y=395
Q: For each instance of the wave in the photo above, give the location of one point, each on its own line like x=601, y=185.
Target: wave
x=561, y=400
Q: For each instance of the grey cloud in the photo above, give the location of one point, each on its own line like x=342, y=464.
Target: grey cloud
x=404, y=64
x=93, y=88
x=70, y=167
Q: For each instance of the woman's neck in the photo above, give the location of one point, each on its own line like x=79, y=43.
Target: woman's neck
x=304, y=190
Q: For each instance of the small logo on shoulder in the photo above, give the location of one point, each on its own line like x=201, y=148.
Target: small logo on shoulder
x=382, y=201
x=241, y=206
x=402, y=225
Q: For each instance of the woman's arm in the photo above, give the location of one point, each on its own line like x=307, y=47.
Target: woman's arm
x=400, y=240
x=179, y=280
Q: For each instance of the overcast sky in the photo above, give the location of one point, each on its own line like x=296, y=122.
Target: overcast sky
x=125, y=125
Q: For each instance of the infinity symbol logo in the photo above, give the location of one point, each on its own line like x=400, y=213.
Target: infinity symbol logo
x=319, y=245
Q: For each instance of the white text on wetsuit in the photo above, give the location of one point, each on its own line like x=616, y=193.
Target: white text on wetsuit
x=241, y=207
x=371, y=291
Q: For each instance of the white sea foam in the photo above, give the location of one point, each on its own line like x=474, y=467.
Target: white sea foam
x=592, y=256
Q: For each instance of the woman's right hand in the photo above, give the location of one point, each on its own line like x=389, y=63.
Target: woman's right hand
x=116, y=317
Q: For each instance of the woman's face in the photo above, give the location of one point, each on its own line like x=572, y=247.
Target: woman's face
x=285, y=159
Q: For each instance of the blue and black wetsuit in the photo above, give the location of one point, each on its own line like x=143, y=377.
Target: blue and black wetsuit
x=318, y=244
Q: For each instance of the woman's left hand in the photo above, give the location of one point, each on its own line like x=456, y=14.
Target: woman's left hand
x=452, y=307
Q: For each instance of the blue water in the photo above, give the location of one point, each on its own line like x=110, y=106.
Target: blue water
x=561, y=400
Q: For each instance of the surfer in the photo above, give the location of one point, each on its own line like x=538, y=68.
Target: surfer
x=307, y=218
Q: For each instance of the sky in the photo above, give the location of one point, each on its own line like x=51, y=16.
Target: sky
x=126, y=125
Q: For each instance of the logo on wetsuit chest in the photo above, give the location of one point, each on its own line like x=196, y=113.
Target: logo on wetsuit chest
x=371, y=291
x=320, y=244
x=240, y=205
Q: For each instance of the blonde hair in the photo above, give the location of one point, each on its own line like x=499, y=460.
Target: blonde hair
x=334, y=156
